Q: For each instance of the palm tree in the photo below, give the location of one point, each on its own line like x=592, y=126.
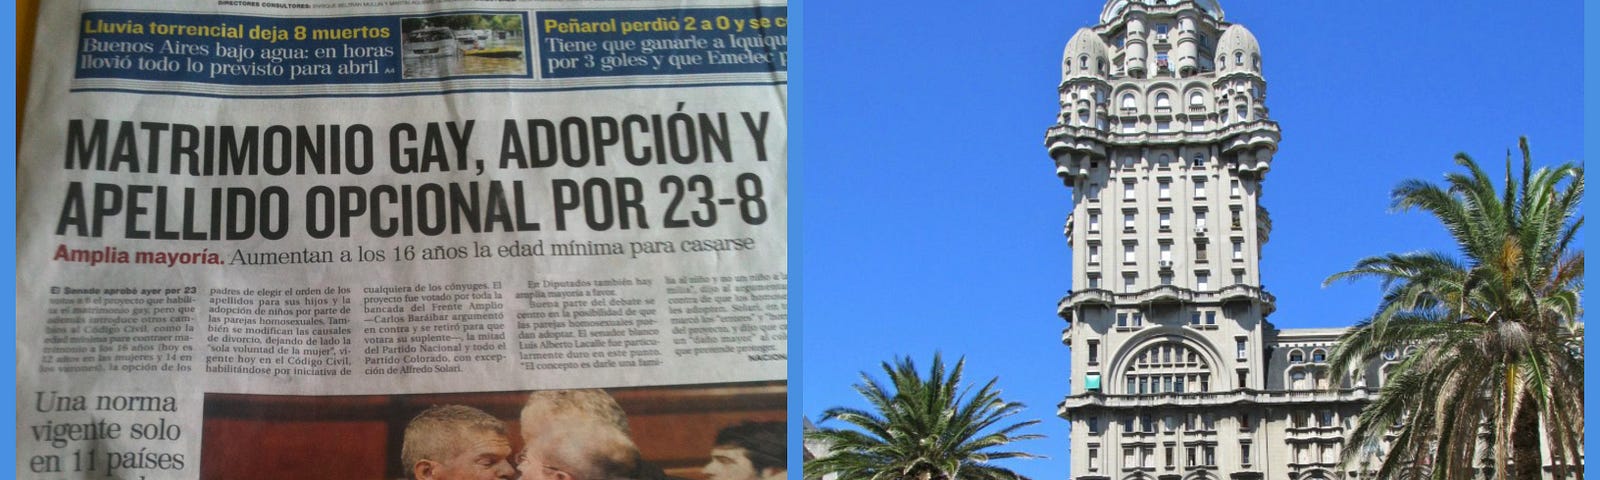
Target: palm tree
x=1498, y=331
x=920, y=429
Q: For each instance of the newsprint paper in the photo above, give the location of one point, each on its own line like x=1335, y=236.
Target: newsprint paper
x=381, y=239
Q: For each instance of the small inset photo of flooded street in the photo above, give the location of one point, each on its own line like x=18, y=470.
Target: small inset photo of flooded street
x=463, y=45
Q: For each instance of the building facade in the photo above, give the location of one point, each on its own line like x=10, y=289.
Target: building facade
x=1165, y=141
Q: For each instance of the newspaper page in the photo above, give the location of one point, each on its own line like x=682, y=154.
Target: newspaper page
x=402, y=239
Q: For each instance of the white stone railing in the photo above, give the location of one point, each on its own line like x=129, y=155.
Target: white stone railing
x=1232, y=397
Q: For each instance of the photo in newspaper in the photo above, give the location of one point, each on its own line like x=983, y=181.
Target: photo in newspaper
x=671, y=430
x=234, y=200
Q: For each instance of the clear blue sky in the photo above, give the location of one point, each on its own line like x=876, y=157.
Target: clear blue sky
x=932, y=215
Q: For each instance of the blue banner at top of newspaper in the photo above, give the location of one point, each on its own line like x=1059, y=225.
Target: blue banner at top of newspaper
x=275, y=51
x=251, y=50
x=594, y=43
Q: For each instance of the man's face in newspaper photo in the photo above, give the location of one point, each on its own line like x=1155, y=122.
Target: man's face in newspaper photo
x=730, y=463
x=530, y=466
x=484, y=455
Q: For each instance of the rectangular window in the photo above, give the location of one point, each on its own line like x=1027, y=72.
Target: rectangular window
x=1189, y=454
x=1146, y=425
x=1166, y=252
x=1127, y=222
x=1122, y=319
x=1127, y=457
x=1094, y=192
x=1240, y=348
x=1233, y=189
x=1128, y=126
x=1171, y=462
x=1128, y=253
x=1094, y=222
x=1211, y=317
x=1094, y=254
x=1197, y=123
x=1127, y=191
x=1166, y=279
x=1164, y=190
x=1093, y=424
x=1211, y=423
x=1326, y=419
x=1244, y=376
x=1165, y=221
x=1138, y=318
x=1244, y=420
x=1094, y=459
x=1205, y=383
x=1127, y=286
x=1199, y=189
x=1094, y=281
x=1094, y=352
x=1194, y=318
x=1202, y=281
x=1147, y=457
x=1244, y=453
x=1199, y=221
x=1238, y=250
x=1236, y=222
x=1238, y=277
x=1163, y=126
x=1091, y=382
x=1211, y=455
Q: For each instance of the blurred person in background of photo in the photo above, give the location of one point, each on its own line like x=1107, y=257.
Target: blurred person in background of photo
x=749, y=451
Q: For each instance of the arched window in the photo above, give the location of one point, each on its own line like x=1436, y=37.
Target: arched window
x=1100, y=64
x=1197, y=99
x=1297, y=380
x=1296, y=356
x=1162, y=101
x=1319, y=355
x=1164, y=160
x=1238, y=58
x=1083, y=62
x=1127, y=101
x=1244, y=114
x=1167, y=367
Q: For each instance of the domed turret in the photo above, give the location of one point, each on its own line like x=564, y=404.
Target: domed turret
x=1085, y=55
x=1238, y=50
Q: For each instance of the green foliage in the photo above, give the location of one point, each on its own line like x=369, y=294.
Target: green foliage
x=1498, y=330
x=921, y=429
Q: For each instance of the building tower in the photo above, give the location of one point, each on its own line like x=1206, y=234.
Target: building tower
x=1164, y=139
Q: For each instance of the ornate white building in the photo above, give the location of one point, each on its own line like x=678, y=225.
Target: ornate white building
x=1165, y=141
